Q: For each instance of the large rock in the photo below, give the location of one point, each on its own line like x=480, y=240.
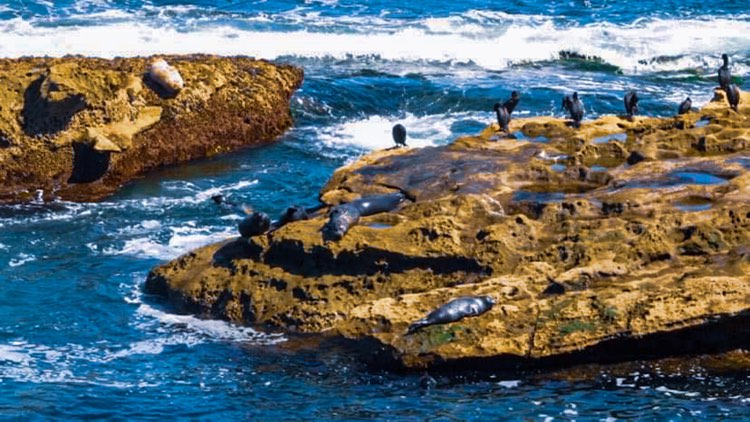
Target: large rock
x=78, y=128
x=588, y=257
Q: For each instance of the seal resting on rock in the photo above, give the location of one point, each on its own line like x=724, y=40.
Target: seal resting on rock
x=254, y=224
x=165, y=76
x=345, y=216
x=455, y=310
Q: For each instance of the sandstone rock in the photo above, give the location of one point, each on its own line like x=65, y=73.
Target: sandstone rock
x=78, y=128
x=598, y=261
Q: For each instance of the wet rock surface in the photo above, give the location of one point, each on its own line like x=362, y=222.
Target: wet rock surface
x=78, y=128
x=589, y=254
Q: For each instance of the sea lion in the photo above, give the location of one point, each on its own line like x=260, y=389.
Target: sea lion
x=254, y=224
x=725, y=76
x=290, y=215
x=574, y=106
x=685, y=106
x=511, y=103
x=345, y=216
x=503, y=117
x=733, y=96
x=455, y=310
x=631, y=103
x=399, y=135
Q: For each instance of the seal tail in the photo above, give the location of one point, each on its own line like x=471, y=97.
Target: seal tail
x=416, y=326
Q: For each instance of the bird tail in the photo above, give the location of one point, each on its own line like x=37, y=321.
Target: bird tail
x=413, y=328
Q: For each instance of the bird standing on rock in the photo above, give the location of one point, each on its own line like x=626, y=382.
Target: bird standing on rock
x=685, y=106
x=399, y=135
x=733, y=96
x=511, y=103
x=503, y=117
x=574, y=106
x=631, y=104
x=725, y=76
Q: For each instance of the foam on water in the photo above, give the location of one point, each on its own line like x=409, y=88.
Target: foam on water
x=656, y=45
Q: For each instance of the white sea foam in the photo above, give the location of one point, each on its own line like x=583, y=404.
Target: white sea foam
x=22, y=259
x=374, y=132
x=182, y=240
x=483, y=38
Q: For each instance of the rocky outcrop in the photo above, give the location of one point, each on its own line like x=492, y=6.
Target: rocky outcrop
x=78, y=128
x=622, y=239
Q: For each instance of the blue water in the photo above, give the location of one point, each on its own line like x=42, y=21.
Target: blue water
x=78, y=338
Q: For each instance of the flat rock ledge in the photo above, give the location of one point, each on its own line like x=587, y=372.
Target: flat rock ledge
x=77, y=128
x=625, y=239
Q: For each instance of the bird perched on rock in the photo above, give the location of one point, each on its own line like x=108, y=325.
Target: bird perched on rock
x=725, y=76
x=574, y=107
x=399, y=135
x=631, y=103
x=733, y=96
x=503, y=117
x=511, y=103
x=685, y=106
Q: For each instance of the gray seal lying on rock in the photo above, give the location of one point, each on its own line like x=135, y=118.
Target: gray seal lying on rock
x=455, y=310
x=345, y=216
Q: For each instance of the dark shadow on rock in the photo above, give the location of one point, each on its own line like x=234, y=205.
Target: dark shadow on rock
x=162, y=92
x=44, y=117
x=5, y=141
x=89, y=165
x=240, y=248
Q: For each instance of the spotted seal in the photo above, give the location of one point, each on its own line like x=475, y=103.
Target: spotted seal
x=345, y=216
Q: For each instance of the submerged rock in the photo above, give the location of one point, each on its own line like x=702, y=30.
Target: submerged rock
x=597, y=261
x=78, y=128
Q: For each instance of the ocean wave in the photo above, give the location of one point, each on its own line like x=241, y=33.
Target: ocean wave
x=490, y=40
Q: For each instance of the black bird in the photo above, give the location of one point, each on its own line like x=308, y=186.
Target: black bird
x=512, y=102
x=631, y=103
x=399, y=135
x=733, y=96
x=574, y=107
x=725, y=76
x=503, y=117
x=685, y=106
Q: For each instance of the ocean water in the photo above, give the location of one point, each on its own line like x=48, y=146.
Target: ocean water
x=78, y=337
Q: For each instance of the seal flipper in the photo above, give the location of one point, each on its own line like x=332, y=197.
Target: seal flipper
x=418, y=325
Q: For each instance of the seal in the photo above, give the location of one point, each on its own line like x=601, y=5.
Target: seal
x=399, y=135
x=685, y=106
x=631, y=104
x=574, y=106
x=503, y=117
x=511, y=103
x=455, y=310
x=733, y=96
x=345, y=216
x=725, y=76
x=166, y=76
x=254, y=224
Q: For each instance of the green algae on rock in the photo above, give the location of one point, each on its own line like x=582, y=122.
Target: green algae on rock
x=640, y=274
x=78, y=128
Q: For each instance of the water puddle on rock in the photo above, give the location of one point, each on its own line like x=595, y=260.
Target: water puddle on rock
x=377, y=225
x=598, y=169
x=520, y=136
x=702, y=122
x=743, y=161
x=540, y=197
x=559, y=168
x=619, y=137
x=679, y=178
x=693, y=205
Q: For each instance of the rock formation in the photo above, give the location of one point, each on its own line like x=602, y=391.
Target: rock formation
x=78, y=128
x=622, y=239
